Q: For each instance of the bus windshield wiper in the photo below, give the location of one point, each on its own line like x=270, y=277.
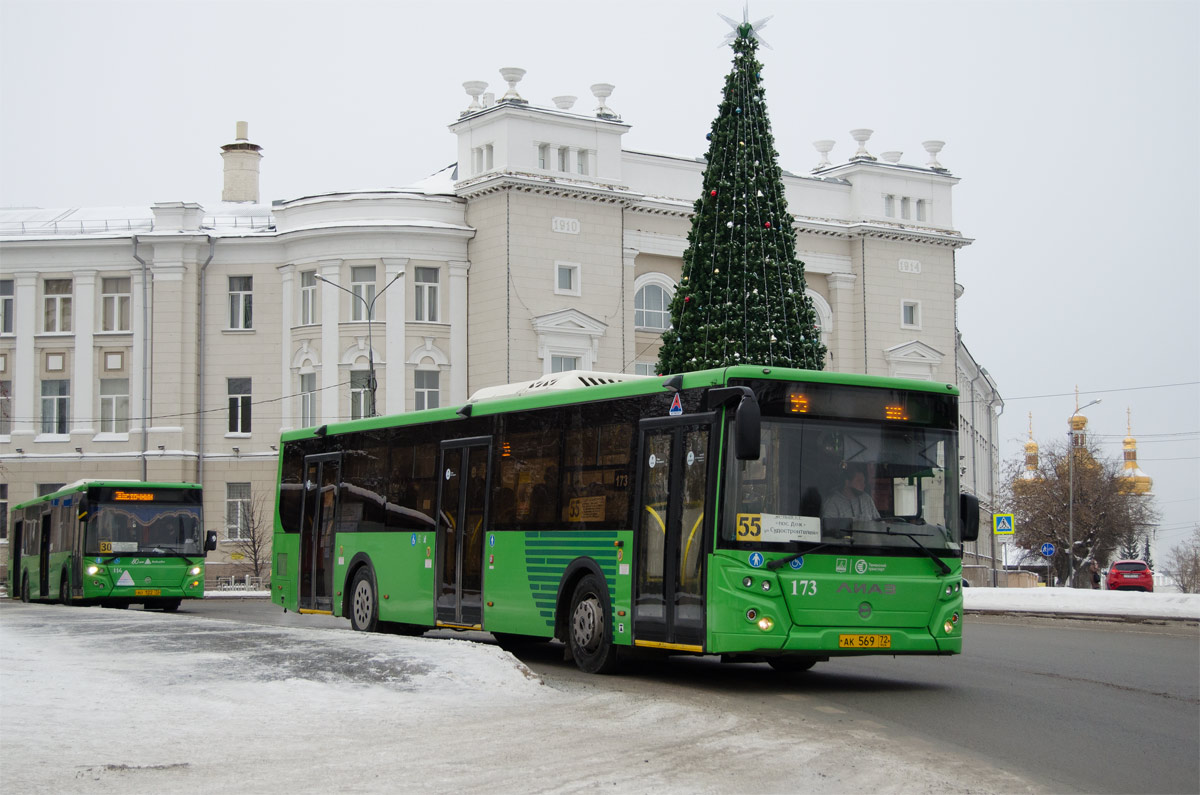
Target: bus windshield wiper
x=928, y=552
x=779, y=564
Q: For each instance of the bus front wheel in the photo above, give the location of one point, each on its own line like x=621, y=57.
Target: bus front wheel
x=64, y=590
x=364, y=608
x=25, y=589
x=588, y=630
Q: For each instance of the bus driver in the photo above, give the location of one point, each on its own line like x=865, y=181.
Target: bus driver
x=851, y=501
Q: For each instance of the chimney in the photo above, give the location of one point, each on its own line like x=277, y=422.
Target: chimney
x=241, y=167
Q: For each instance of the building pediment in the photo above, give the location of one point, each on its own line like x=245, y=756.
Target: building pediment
x=569, y=321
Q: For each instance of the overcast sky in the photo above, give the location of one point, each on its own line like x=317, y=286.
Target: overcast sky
x=1074, y=126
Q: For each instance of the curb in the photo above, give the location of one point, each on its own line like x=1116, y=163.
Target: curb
x=1115, y=618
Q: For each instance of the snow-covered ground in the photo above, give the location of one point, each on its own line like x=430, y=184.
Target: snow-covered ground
x=1081, y=602
x=98, y=700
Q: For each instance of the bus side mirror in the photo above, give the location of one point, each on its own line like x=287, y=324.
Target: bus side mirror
x=968, y=511
x=747, y=420
x=747, y=429
x=210, y=541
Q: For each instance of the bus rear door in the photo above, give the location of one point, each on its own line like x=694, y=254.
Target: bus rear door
x=462, y=509
x=321, y=476
x=669, y=542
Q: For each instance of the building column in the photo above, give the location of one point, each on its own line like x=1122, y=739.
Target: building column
x=330, y=270
x=628, y=295
x=139, y=322
x=25, y=386
x=395, y=307
x=841, y=297
x=458, y=330
x=84, y=389
x=287, y=282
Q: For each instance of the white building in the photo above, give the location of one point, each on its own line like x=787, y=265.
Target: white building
x=547, y=247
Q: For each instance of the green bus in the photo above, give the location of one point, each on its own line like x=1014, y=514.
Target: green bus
x=698, y=514
x=112, y=543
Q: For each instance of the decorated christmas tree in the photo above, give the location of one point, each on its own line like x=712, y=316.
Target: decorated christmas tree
x=741, y=297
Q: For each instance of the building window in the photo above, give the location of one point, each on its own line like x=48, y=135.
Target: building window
x=3, y=511
x=56, y=406
x=921, y=209
x=652, y=308
x=904, y=208
x=241, y=302
x=644, y=368
x=237, y=511
x=543, y=155
x=114, y=304
x=567, y=278
x=6, y=306
x=426, y=281
x=57, y=306
x=561, y=364
x=582, y=165
x=308, y=298
x=910, y=314
x=360, y=394
x=889, y=206
x=5, y=408
x=362, y=285
x=426, y=389
x=239, y=405
x=563, y=156
x=114, y=405
x=308, y=400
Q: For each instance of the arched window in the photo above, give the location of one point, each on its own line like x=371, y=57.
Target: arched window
x=652, y=302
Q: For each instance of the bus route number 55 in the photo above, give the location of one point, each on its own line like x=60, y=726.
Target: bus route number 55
x=749, y=527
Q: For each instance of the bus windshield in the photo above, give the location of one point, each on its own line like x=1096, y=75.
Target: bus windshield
x=847, y=484
x=144, y=529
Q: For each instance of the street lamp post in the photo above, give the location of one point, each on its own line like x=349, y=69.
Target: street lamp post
x=370, y=307
x=1071, y=494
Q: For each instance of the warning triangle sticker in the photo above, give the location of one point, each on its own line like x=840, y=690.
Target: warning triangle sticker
x=676, y=406
x=125, y=578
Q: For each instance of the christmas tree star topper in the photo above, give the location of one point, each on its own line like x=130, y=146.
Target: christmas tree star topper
x=745, y=28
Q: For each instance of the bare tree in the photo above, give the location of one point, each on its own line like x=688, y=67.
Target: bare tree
x=1104, y=515
x=254, y=542
x=1183, y=563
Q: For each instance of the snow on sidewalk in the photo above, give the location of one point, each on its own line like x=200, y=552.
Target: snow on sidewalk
x=1079, y=601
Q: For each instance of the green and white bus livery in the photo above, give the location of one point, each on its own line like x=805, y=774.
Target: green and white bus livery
x=112, y=543
x=761, y=514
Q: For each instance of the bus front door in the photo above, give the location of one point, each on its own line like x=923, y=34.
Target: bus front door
x=462, y=510
x=668, y=599
x=321, y=476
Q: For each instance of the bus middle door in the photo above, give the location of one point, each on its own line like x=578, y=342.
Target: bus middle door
x=317, y=527
x=462, y=510
x=670, y=539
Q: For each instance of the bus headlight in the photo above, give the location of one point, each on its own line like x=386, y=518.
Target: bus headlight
x=194, y=570
x=93, y=570
x=766, y=624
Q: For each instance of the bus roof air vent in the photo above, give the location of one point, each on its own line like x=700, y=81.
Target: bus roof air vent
x=572, y=379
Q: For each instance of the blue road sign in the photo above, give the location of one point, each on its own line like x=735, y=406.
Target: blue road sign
x=756, y=559
x=1048, y=550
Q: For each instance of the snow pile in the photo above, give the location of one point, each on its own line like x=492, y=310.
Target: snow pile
x=129, y=702
x=1080, y=601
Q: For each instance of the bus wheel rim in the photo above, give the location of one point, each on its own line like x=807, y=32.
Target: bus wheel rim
x=586, y=623
x=362, y=603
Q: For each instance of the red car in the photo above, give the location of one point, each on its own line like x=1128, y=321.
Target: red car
x=1130, y=575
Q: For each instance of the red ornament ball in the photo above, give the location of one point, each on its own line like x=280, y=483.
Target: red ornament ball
x=712, y=192
x=768, y=224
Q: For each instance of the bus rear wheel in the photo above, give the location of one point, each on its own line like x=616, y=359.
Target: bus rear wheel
x=364, y=608
x=25, y=589
x=171, y=605
x=588, y=629
x=64, y=590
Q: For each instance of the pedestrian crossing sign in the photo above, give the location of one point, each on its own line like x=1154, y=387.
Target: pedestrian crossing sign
x=1002, y=524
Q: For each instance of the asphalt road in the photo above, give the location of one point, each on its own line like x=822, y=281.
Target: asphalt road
x=1078, y=706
